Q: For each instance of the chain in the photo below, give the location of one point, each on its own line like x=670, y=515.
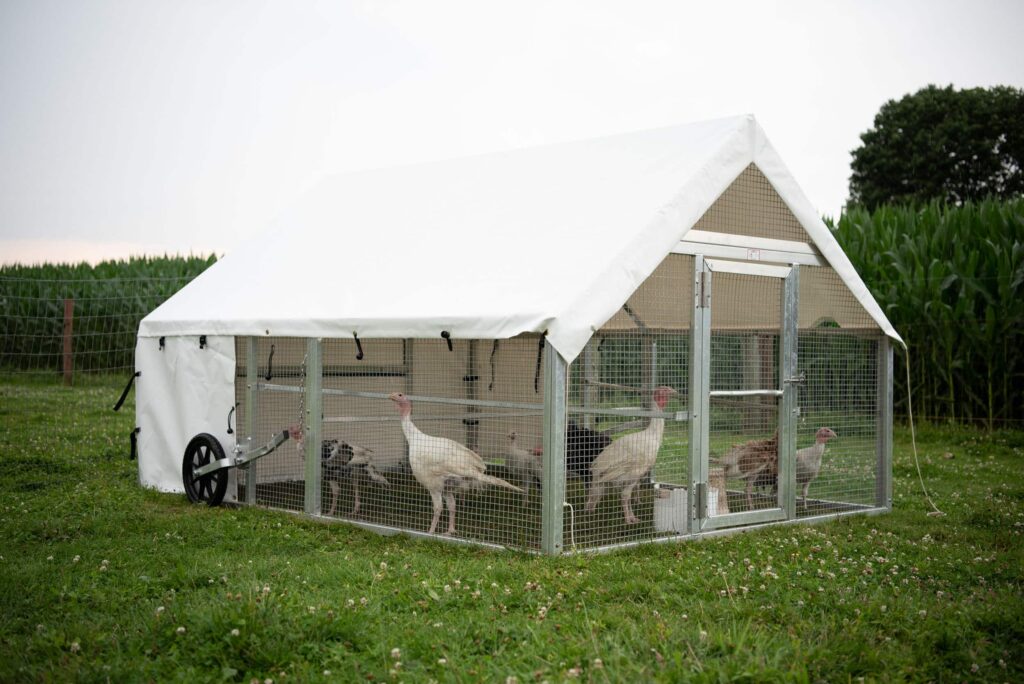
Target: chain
x=302, y=397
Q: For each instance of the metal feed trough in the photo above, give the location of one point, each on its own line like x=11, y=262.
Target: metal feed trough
x=745, y=380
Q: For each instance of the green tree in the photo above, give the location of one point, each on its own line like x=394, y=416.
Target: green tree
x=944, y=144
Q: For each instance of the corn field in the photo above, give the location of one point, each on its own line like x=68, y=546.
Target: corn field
x=109, y=300
x=951, y=279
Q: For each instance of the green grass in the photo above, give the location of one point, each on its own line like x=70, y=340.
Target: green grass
x=101, y=580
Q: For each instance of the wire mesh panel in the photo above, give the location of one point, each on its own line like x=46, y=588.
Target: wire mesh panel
x=414, y=435
x=627, y=441
x=752, y=207
x=275, y=404
x=746, y=328
x=837, y=435
x=837, y=458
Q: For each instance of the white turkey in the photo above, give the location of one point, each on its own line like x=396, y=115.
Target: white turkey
x=442, y=465
x=808, y=460
x=627, y=460
x=526, y=465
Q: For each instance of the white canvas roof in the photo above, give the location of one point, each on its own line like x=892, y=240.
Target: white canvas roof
x=552, y=239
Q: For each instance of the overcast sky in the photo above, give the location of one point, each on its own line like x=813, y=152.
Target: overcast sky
x=139, y=126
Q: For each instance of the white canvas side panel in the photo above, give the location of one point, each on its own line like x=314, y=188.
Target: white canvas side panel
x=183, y=390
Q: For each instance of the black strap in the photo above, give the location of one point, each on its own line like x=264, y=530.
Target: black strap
x=447, y=338
x=270, y=365
x=540, y=357
x=133, y=437
x=494, y=350
x=124, y=395
x=359, y=347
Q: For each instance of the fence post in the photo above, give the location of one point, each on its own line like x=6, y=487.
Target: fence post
x=69, y=359
x=552, y=513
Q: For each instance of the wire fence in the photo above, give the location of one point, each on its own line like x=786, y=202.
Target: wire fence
x=63, y=328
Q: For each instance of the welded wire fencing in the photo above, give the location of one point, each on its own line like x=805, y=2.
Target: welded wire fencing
x=57, y=322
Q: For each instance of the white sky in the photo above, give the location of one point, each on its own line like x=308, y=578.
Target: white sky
x=134, y=126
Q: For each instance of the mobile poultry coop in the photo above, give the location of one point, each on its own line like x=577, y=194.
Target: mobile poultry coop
x=637, y=338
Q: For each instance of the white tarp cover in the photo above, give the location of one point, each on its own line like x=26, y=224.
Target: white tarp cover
x=183, y=391
x=552, y=238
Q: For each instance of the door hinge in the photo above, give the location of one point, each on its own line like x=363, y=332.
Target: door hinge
x=704, y=290
x=701, y=491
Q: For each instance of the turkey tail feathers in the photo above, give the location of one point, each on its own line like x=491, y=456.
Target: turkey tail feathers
x=498, y=482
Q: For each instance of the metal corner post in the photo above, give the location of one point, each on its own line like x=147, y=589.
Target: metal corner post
x=313, y=424
x=591, y=372
x=552, y=513
x=883, y=478
x=700, y=385
x=788, y=363
x=251, y=413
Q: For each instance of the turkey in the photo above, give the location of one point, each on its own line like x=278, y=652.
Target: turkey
x=756, y=462
x=526, y=465
x=345, y=458
x=582, y=445
x=808, y=460
x=442, y=465
x=627, y=460
x=340, y=459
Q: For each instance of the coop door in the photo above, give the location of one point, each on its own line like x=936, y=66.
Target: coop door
x=743, y=430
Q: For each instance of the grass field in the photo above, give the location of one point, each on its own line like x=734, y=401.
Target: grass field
x=101, y=580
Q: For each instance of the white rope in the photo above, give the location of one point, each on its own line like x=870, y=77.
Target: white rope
x=572, y=524
x=913, y=439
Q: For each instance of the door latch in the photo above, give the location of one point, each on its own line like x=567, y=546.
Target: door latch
x=797, y=379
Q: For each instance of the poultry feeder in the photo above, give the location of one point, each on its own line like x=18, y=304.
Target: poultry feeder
x=640, y=338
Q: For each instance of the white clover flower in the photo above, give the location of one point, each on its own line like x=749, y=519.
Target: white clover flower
x=396, y=653
x=235, y=632
x=180, y=630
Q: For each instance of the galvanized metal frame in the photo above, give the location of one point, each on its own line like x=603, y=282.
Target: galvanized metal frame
x=746, y=248
x=700, y=391
x=701, y=365
x=747, y=268
x=251, y=413
x=555, y=402
x=788, y=363
x=726, y=531
x=590, y=375
x=883, y=476
x=312, y=429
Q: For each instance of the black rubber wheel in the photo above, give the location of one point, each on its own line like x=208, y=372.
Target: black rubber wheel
x=209, y=489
